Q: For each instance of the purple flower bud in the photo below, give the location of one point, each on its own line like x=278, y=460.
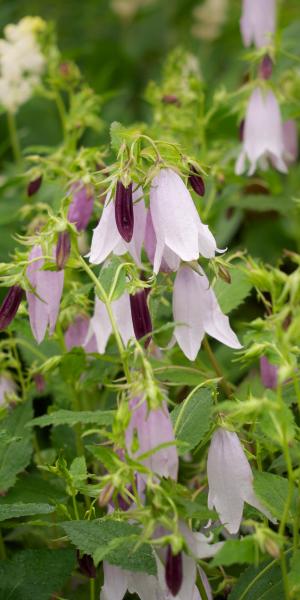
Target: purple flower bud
x=124, y=211
x=81, y=207
x=10, y=305
x=241, y=130
x=266, y=67
x=173, y=572
x=140, y=315
x=40, y=382
x=63, y=248
x=196, y=181
x=34, y=186
x=86, y=565
x=268, y=373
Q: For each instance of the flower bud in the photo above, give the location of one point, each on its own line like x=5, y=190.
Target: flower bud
x=241, y=130
x=34, y=186
x=268, y=373
x=40, y=382
x=224, y=274
x=171, y=99
x=173, y=571
x=105, y=495
x=140, y=315
x=81, y=207
x=266, y=67
x=10, y=305
x=124, y=211
x=63, y=248
x=86, y=565
x=196, y=181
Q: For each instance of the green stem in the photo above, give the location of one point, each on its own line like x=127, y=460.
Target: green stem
x=224, y=384
x=13, y=136
x=2, y=547
x=92, y=588
x=61, y=111
x=75, y=507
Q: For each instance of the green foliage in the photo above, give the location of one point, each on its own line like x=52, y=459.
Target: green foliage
x=231, y=295
x=15, y=445
x=12, y=511
x=71, y=418
x=272, y=490
x=113, y=278
x=236, y=552
x=262, y=583
x=192, y=419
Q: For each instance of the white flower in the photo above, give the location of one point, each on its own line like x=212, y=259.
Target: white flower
x=263, y=134
x=230, y=480
x=257, y=22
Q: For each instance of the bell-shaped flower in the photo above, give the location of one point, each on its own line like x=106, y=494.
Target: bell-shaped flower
x=100, y=325
x=117, y=581
x=230, y=480
x=152, y=428
x=107, y=238
x=176, y=223
x=258, y=22
x=290, y=141
x=196, y=311
x=268, y=373
x=82, y=204
x=170, y=261
x=43, y=304
x=76, y=334
x=262, y=135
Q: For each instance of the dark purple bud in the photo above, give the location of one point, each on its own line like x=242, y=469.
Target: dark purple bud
x=86, y=565
x=81, y=207
x=10, y=305
x=124, y=211
x=171, y=99
x=140, y=315
x=196, y=181
x=63, y=248
x=34, y=186
x=266, y=67
x=40, y=383
x=241, y=130
x=268, y=373
x=173, y=572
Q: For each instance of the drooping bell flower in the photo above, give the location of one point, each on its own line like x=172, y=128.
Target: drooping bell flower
x=196, y=311
x=196, y=181
x=82, y=204
x=106, y=236
x=152, y=428
x=266, y=67
x=176, y=222
x=10, y=305
x=140, y=315
x=76, y=335
x=7, y=387
x=170, y=261
x=43, y=305
x=258, y=22
x=230, y=480
x=263, y=137
x=173, y=571
x=86, y=565
x=63, y=249
x=117, y=582
x=100, y=325
x=268, y=373
x=34, y=186
x=124, y=211
x=290, y=141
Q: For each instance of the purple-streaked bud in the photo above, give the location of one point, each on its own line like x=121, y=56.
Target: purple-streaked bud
x=40, y=382
x=63, y=249
x=241, y=130
x=34, y=186
x=140, y=315
x=268, y=373
x=196, y=181
x=10, y=305
x=124, y=211
x=171, y=99
x=266, y=67
x=86, y=565
x=173, y=571
x=81, y=207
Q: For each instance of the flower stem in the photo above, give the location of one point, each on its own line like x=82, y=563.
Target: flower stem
x=224, y=384
x=13, y=136
x=92, y=588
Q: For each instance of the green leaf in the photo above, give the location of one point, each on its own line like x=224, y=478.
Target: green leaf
x=35, y=488
x=35, y=574
x=192, y=418
x=231, y=295
x=68, y=417
x=113, y=541
x=277, y=423
x=78, y=470
x=294, y=574
x=272, y=491
x=15, y=445
x=236, y=552
x=12, y=511
x=113, y=278
x=178, y=375
x=259, y=583
x=73, y=364
x=106, y=456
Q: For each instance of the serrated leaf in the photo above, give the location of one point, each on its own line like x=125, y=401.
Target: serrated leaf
x=78, y=470
x=259, y=583
x=106, y=456
x=35, y=574
x=272, y=491
x=12, y=511
x=15, y=445
x=68, y=417
x=113, y=278
x=35, y=488
x=236, y=552
x=231, y=295
x=113, y=541
x=178, y=375
x=192, y=418
x=294, y=574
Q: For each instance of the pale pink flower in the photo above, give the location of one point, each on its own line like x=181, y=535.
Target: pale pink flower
x=153, y=427
x=268, y=373
x=170, y=261
x=177, y=225
x=81, y=206
x=230, y=480
x=290, y=141
x=258, y=22
x=76, y=334
x=7, y=387
x=43, y=305
x=196, y=312
x=106, y=237
x=100, y=325
x=262, y=135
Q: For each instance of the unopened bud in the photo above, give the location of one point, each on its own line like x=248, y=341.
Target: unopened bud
x=40, y=383
x=10, y=305
x=224, y=274
x=106, y=495
x=272, y=548
x=241, y=130
x=141, y=319
x=173, y=571
x=63, y=248
x=34, y=186
x=171, y=99
x=266, y=67
x=124, y=211
x=86, y=565
x=196, y=181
